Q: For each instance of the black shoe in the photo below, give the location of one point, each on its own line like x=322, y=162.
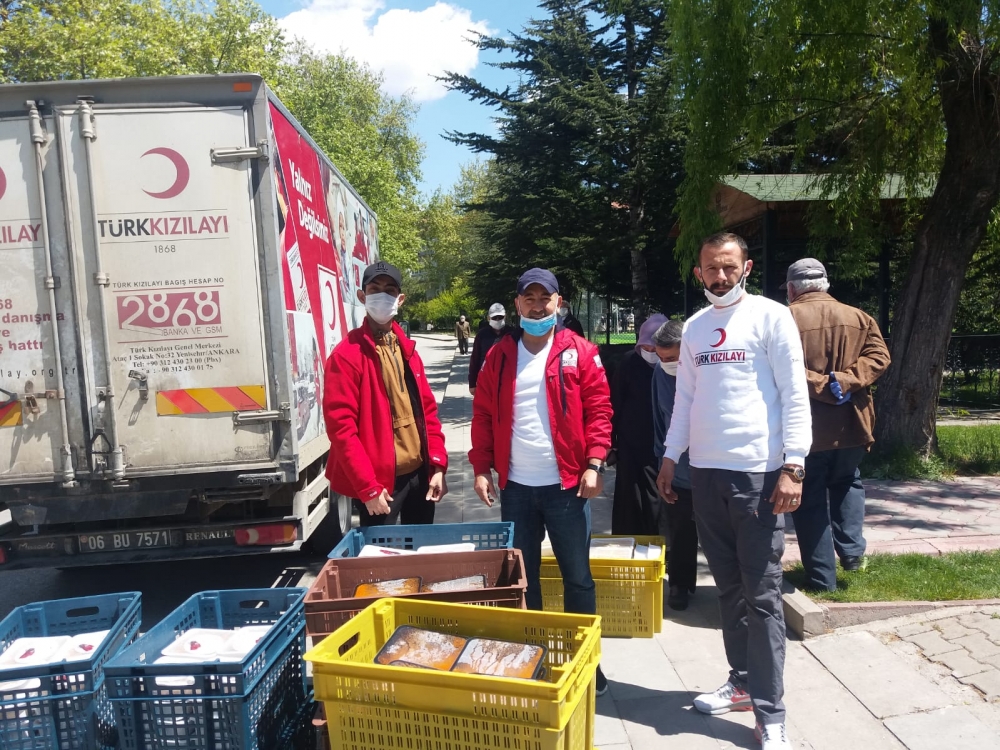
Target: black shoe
x=602, y=682
x=678, y=598
x=852, y=563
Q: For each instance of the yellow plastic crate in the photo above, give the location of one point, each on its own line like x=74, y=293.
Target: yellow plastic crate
x=629, y=592
x=370, y=706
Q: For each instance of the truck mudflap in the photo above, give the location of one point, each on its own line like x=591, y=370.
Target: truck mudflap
x=90, y=548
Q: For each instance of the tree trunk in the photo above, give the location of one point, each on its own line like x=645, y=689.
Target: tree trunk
x=950, y=231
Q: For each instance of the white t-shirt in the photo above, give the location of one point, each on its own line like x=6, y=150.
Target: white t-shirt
x=532, y=455
x=742, y=401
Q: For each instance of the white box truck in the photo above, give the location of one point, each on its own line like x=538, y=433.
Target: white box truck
x=177, y=260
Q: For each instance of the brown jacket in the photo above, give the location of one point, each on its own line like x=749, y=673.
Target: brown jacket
x=846, y=341
x=462, y=330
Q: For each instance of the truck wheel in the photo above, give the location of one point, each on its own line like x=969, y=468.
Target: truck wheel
x=331, y=529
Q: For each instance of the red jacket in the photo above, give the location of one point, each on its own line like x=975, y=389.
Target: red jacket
x=579, y=407
x=362, y=458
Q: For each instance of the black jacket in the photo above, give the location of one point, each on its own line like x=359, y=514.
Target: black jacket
x=632, y=400
x=486, y=337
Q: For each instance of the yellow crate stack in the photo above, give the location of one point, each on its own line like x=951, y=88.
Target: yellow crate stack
x=371, y=706
x=629, y=592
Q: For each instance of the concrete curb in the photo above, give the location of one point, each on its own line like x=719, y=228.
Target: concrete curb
x=807, y=619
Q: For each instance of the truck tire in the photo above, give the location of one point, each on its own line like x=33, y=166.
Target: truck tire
x=331, y=529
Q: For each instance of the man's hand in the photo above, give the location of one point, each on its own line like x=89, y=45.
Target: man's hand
x=472, y=390
x=485, y=490
x=438, y=486
x=591, y=485
x=838, y=391
x=380, y=505
x=666, y=478
x=787, y=495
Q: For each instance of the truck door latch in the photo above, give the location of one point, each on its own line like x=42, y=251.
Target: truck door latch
x=141, y=378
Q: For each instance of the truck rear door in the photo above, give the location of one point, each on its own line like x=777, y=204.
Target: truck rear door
x=169, y=277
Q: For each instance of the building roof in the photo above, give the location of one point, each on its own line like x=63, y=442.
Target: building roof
x=779, y=188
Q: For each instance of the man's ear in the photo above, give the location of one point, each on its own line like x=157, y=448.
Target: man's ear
x=400, y=299
x=361, y=296
x=749, y=266
x=697, y=273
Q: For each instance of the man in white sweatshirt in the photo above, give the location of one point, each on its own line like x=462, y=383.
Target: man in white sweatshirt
x=742, y=413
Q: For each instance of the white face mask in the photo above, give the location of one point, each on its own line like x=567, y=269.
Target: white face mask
x=669, y=367
x=733, y=295
x=382, y=307
x=496, y=325
x=651, y=357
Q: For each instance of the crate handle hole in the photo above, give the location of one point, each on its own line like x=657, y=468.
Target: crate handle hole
x=83, y=612
x=348, y=644
x=254, y=604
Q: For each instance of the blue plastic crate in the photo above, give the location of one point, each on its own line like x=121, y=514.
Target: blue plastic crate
x=485, y=535
x=248, y=705
x=65, y=706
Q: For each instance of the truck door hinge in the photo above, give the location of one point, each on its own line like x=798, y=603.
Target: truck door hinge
x=242, y=153
x=284, y=414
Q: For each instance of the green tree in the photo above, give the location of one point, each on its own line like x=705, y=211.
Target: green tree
x=859, y=89
x=367, y=134
x=586, y=161
x=45, y=40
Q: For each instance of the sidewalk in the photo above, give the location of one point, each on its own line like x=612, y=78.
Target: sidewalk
x=929, y=681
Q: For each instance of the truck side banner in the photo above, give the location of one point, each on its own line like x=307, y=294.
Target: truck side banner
x=327, y=238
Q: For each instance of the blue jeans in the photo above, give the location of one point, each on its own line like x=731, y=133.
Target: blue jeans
x=567, y=518
x=832, y=514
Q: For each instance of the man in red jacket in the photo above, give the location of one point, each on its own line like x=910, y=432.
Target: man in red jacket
x=386, y=444
x=541, y=417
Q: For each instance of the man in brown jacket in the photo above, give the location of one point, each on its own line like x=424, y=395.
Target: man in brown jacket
x=844, y=354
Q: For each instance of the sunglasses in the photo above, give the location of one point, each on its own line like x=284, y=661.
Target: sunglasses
x=497, y=317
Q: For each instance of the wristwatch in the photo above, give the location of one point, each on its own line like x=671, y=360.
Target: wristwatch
x=796, y=472
x=599, y=468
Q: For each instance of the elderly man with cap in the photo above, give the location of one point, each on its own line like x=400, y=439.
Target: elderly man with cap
x=541, y=418
x=486, y=337
x=844, y=355
x=637, y=507
x=462, y=333
x=386, y=443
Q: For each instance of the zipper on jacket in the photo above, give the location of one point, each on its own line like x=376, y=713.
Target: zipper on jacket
x=562, y=385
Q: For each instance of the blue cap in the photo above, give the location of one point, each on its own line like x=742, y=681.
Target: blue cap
x=541, y=276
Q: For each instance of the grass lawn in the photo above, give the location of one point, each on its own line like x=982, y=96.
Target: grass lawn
x=914, y=577
x=966, y=450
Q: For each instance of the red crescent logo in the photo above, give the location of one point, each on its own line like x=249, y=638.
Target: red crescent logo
x=333, y=306
x=3, y=183
x=722, y=338
x=181, y=166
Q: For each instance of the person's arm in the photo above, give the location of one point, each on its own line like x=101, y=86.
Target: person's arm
x=679, y=429
x=872, y=362
x=483, y=405
x=475, y=361
x=341, y=396
x=596, y=397
x=660, y=419
x=618, y=388
x=784, y=353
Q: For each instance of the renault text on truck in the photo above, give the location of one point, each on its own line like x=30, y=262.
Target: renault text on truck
x=177, y=260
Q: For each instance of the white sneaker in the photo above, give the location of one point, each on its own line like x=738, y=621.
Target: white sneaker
x=727, y=698
x=772, y=737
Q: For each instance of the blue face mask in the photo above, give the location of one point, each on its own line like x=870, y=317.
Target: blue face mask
x=538, y=327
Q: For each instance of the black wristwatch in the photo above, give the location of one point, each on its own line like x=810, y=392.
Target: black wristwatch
x=797, y=472
x=599, y=468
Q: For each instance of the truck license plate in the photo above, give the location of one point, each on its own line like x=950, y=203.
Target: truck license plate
x=118, y=541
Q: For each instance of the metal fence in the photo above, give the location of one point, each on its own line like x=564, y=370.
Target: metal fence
x=972, y=372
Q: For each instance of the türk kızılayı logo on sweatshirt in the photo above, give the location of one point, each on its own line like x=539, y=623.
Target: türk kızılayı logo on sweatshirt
x=720, y=356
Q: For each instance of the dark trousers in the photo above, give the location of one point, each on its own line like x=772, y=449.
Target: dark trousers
x=832, y=516
x=409, y=502
x=637, y=508
x=463, y=346
x=567, y=519
x=743, y=541
x=682, y=558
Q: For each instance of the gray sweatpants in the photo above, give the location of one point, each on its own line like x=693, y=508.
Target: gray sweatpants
x=743, y=541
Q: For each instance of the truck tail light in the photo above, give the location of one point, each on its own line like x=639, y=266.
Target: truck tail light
x=3, y=554
x=267, y=536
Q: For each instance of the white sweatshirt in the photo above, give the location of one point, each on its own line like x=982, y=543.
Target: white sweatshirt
x=742, y=402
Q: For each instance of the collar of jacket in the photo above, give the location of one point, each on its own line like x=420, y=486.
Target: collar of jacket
x=561, y=340
x=406, y=344
x=813, y=297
